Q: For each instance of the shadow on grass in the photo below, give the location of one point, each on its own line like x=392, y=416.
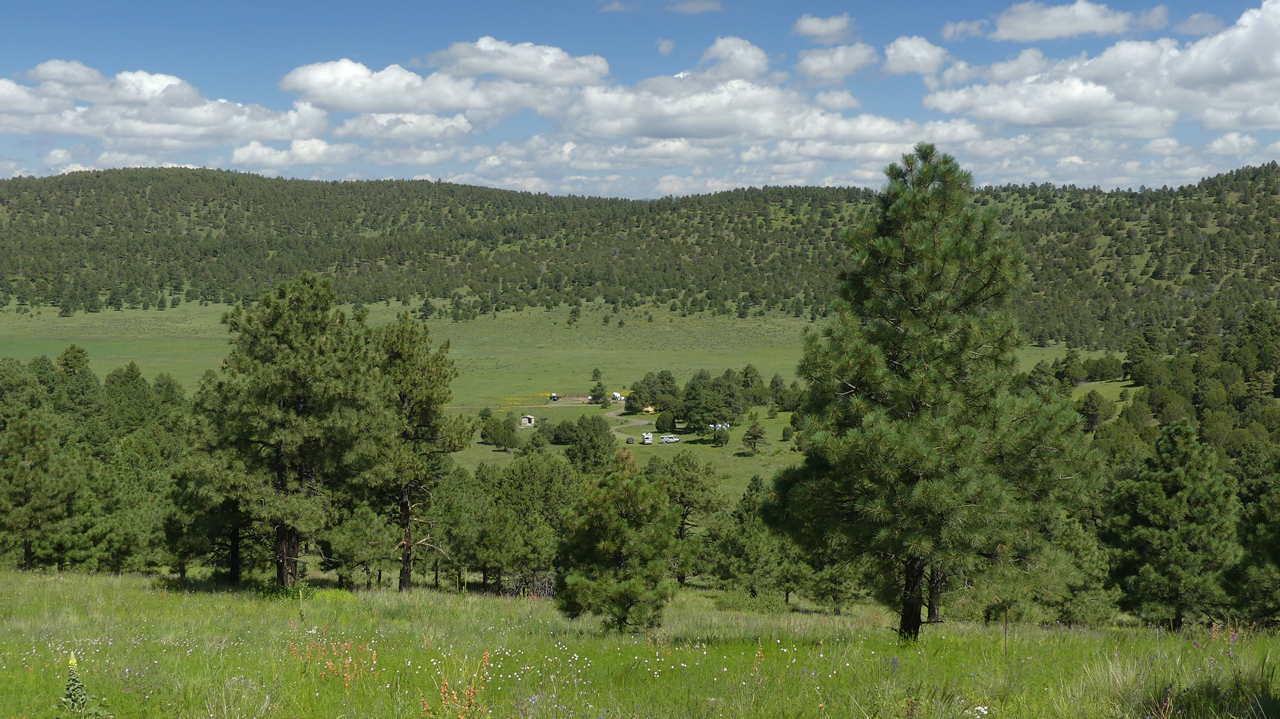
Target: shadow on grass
x=1242, y=691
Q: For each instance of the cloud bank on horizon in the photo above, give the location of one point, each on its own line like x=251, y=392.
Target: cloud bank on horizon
x=1167, y=100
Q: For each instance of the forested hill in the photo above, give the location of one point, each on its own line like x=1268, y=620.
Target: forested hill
x=1102, y=263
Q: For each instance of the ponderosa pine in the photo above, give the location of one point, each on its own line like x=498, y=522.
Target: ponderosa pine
x=416, y=458
x=296, y=405
x=1176, y=531
x=918, y=456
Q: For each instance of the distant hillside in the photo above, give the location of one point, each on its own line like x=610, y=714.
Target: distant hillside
x=1102, y=263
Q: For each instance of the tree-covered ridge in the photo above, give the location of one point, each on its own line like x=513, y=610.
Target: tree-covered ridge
x=1102, y=264
x=1105, y=263
x=226, y=237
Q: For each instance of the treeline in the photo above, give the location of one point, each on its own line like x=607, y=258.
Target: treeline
x=1102, y=264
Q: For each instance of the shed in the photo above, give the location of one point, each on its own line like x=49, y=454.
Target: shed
x=527, y=420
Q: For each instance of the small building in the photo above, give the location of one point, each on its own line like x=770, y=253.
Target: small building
x=527, y=420
x=648, y=410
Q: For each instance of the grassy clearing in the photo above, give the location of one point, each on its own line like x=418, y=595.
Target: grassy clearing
x=515, y=358
x=510, y=362
x=158, y=653
x=730, y=460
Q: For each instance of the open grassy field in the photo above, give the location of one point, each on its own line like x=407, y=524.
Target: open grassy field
x=508, y=362
x=156, y=652
x=513, y=358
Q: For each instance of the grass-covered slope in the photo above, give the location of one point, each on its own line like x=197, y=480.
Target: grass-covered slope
x=156, y=652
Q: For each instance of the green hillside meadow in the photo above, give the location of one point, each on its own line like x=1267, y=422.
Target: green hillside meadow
x=161, y=653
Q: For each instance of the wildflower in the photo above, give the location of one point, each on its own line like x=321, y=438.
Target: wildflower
x=75, y=697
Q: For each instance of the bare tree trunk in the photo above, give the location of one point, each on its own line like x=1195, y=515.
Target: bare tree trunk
x=406, y=554
x=233, y=556
x=912, y=602
x=937, y=582
x=286, y=556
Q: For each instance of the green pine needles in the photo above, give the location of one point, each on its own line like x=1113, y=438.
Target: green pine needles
x=1176, y=531
x=919, y=460
x=613, y=558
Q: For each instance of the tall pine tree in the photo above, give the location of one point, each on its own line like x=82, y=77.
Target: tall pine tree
x=917, y=454
x=417, y=456
x=299, y=404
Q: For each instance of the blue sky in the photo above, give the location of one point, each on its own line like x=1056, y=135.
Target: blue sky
x=642, y=98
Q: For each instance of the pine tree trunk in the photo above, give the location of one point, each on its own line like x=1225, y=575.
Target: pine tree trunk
x=937, y=581
x=233, y=556
x=286, y=556
x=28, y=555
x=912, y=602
x=406, y=555
x=437, y=574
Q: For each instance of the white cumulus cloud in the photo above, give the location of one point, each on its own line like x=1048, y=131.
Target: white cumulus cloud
x=963, y=29
x=833, y=65
x=1032, y=21
x=522, y=62
x=824, y=30
x=314, y=151
x=1232, y=143
x=837, y=100
x=913, y=54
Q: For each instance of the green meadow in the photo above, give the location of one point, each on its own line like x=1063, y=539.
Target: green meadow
x=511, y=358
x=154, y=651
x=507, y=359
x=511, y=361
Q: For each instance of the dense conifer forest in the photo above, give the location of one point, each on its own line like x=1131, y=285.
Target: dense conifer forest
x=1102, y=263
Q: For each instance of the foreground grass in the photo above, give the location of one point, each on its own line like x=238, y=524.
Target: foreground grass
x=158, y=653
